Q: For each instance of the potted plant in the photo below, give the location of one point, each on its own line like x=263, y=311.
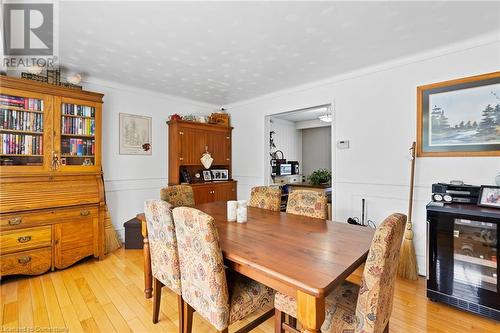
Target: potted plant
x=320, y=177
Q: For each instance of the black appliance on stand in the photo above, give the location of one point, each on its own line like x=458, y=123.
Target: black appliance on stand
x=462, y=257
x=295, y=167
x=276, y=162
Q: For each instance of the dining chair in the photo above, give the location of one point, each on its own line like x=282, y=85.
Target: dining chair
x=178, y=195
x=359, y=309
x=307, y=203
x=204, y=283
x=164, y=254
x=266, y=197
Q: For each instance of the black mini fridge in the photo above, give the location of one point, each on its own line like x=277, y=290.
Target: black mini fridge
x=462, y=251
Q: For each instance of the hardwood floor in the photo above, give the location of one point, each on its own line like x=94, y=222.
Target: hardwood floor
x=107, y=296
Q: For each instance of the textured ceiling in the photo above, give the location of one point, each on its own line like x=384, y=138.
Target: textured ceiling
x=222, y=52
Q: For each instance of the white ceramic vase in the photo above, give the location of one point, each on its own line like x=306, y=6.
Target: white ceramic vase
x=242, y=212
x=232, y=207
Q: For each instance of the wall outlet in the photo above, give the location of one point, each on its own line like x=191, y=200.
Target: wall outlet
x=343, y=144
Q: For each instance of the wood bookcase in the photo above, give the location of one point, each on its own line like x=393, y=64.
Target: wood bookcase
x=51, y=196
x=187, y=143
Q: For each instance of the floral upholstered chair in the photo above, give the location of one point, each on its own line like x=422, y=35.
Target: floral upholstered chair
x=178, y=195
x=367, y=308
x=307, y=203
x=266, y=197
x=205, y=287
x=164, y=253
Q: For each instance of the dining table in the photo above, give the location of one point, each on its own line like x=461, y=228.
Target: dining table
x=300, y=256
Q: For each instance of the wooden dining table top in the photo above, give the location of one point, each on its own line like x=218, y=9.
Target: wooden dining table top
x=291, y=252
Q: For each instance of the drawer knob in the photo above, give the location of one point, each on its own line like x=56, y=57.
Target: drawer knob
x=85, y=212
x=24, y=260
x=24, y=239
x=15, y=220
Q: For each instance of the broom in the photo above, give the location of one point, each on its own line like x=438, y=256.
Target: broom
x=111, y=237
x=407, y=267
x=112, y=242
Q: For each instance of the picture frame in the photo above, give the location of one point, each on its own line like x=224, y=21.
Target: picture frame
x=207, y=176
x=489, y=196
x=459, y=117
x=135, y=134
x=220, y=174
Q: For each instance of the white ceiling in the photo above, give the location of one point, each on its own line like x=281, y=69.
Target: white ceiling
x=222, y=52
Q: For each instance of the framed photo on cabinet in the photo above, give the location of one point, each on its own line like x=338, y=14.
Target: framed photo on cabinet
x=459, y=117
x=135, y=134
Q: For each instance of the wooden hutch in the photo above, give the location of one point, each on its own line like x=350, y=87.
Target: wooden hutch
x=187, y=142
x=52, y=194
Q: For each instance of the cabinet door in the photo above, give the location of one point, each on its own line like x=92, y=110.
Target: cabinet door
x=203, y=194
x=193, y=142
x=219, y=145
x=225, y=191
x=25, y=131
x=75, y=240
x=77, y=142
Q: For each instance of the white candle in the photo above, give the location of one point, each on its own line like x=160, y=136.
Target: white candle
x=232, y=207
x=241, y=214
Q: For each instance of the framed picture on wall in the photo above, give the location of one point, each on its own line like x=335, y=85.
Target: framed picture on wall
x=135, y=134
x=459, y=117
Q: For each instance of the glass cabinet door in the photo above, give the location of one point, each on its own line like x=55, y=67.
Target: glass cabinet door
x=78, y=139
x=25, y=131
x=475, y=253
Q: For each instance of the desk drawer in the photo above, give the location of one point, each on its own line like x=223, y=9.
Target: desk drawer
x=25, y=239
x=43, y=217
x=30, y=262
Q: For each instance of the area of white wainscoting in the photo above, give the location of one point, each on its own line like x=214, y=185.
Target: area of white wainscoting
x=374, y=108
x=132, y=179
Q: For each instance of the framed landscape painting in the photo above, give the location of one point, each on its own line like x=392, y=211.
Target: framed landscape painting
x=459, y=117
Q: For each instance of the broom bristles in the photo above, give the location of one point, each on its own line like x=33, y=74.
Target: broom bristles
x=407, y=267
x=111, y=237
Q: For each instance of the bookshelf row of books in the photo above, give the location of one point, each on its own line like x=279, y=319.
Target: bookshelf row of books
x=78, y=126
x=21, y=121
x=77, y=147
x=78, y=110
x=33, y=104
x=20, y=144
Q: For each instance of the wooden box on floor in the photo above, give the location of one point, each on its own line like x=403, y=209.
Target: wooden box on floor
x=52, y=199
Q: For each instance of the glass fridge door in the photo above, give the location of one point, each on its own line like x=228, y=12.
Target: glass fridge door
x=475, y=254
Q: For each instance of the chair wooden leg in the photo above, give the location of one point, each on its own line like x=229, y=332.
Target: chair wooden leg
x=188, y=318
x=157, y=299
x=180, y=309
x=386, y=330
x=279, y=319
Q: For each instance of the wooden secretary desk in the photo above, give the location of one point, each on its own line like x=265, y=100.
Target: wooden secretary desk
x=52, y=194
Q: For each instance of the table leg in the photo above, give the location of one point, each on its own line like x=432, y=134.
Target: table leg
x=148, y=275
x=310, y=312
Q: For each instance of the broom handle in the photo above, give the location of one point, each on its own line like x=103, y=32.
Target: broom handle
x=412, y=177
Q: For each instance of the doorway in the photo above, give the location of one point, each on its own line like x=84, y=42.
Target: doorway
x=299, y=148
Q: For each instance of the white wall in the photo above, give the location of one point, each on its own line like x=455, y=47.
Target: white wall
x=375, y=109
x=131, y=179
x=287, y=139
x=316, y=149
